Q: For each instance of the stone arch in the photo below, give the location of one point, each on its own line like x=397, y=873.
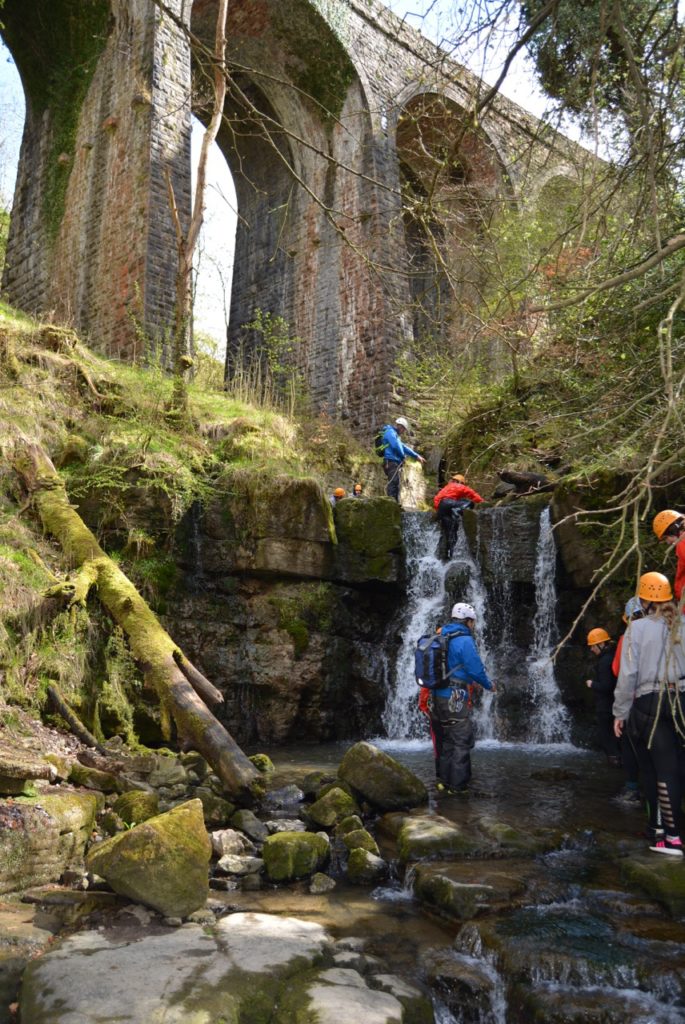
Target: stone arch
x=298, y=139
x=453, y=182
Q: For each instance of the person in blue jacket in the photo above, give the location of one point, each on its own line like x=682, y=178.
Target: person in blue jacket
x=451, y=704
x=395, y=451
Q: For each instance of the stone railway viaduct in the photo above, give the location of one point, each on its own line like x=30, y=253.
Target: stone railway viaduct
x=337, y=113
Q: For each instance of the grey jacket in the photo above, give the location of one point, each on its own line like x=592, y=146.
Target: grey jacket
x=649, y=659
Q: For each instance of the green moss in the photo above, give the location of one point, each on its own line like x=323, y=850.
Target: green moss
x=56, y=57
x=291, y=855
x=304, y=608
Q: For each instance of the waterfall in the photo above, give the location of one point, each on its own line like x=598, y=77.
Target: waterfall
x=550, y=720
x=426, y=608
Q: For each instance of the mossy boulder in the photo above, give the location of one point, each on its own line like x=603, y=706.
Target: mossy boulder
x=291, y=855
x=370, y=543
x=432, y=838
x=162, y=862
x=380, y=779
x=43, y=836
x=93, y=778
x=360, y=839
x=514, y=842
x=348, y=825
x=453, y=898
x=263, y=763
x=136, y=806
x=365, y=868
x=663, y=879
x=332, y=807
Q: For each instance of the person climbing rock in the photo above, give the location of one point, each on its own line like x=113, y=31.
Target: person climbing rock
x=649, y=703
x=449, y=504
x=337, y=494
x=669, y=526
x=451, y=704
x=358, y=491
x=395, y=452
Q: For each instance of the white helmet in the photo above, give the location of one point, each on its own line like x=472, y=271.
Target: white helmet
x=402, y=422
x=463, y=611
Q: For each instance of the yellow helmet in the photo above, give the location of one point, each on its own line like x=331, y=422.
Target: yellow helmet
x=653, y=586
x=597, y=636
x=662, y=521
x=458, y=478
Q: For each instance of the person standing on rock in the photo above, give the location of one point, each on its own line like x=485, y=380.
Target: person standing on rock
x=649, y=702
x=669, y=526
x=451, y=703
x=449, y=504
x=395, y=452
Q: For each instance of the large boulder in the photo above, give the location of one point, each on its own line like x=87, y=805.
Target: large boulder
x=136, y=806
x=370, y=543
x=162, y=862
x=380, y=779
x=43, y=836
x=291, y=855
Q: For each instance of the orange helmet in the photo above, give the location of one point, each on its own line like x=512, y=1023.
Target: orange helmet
x=458, y=478
x=597, y=636
x=654, y=586
x=662, y=521
x=339, y=492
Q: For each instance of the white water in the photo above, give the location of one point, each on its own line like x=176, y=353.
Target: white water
x=550, y=721
x=428, y=605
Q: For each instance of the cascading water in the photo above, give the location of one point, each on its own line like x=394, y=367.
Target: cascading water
x=549, y=721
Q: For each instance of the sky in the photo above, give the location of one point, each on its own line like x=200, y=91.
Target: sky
x=439, y=20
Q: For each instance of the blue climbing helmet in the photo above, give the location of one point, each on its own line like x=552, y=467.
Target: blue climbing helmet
x=633, y=609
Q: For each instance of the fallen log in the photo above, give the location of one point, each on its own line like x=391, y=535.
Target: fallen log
x=150, y=644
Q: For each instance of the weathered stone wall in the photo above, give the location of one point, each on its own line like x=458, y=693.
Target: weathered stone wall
x=314, y=151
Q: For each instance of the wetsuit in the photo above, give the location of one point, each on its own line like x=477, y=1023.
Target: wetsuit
x=603, y=686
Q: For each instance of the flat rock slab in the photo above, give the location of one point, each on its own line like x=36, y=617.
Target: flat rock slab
x=462, y=890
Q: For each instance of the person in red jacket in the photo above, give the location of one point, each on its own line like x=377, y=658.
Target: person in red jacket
x=449, y=503
x=669, y=526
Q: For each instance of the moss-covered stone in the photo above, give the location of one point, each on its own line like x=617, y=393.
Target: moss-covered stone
x=93, y=778
x=291, y=855
x=663, y=879
x=349, y=824
x=360, y=839
x=332, y=807
x=216, y=809
x=136, y=806
x=263, y=763
x=365, y=868
x=370, y=543
x=380, y=779
x=16, y=787
x=427, y=838
x=162, y=862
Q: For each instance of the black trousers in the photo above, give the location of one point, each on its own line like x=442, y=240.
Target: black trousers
x=458, y=740
x=393, y=474
x=660, y=747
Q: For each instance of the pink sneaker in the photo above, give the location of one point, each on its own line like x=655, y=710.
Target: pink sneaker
x=670, y=845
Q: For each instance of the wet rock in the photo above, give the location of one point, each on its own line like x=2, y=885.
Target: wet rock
x=285, y=797
x=162, y=862
x=249, y=823
x=136, y=806
x=263, y=763
x=449, y=895
x=332, y=807
x=433, y=837
x=466, y=985
x=662, y=878
x=42, y=837
x=370, y=545
x=380, y=779
x=313, y=782
x=348, y=825
x=417, y=1006
x=515, y=842
x=229, y=840
x=291, y=855
x=360, y=839
x=364, y=868
x=565, y=1005
x=321, y=883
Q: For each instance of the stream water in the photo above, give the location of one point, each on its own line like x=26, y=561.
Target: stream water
x=581, y=945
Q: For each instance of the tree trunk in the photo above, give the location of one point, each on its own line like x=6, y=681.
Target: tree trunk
x=163, y=663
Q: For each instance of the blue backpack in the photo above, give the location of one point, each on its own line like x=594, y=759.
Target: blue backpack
x=430, y=661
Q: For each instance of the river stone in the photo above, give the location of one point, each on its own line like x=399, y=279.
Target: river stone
x=229, y=840
x=285, y=825
x=231, y=972
x=215, y=809
x=332, y=807
x=380, y=779
x=233, y=864
x=162, y=862
x=314, y=781
x=364, y=868
x=43, y=836
x=663, y=878
x=168, y=771
x=338, y=996
x=263, y=763
x=425, y=838
x=93, y=778
x=136, y=806
x=349, y=824
x=360, y=839
x=248, y=822
x=285, y=797
x=290, y=855
x=515, y=842
x=453, y=898
x=321, y=883
x=417, y=1006
x=465, y=983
